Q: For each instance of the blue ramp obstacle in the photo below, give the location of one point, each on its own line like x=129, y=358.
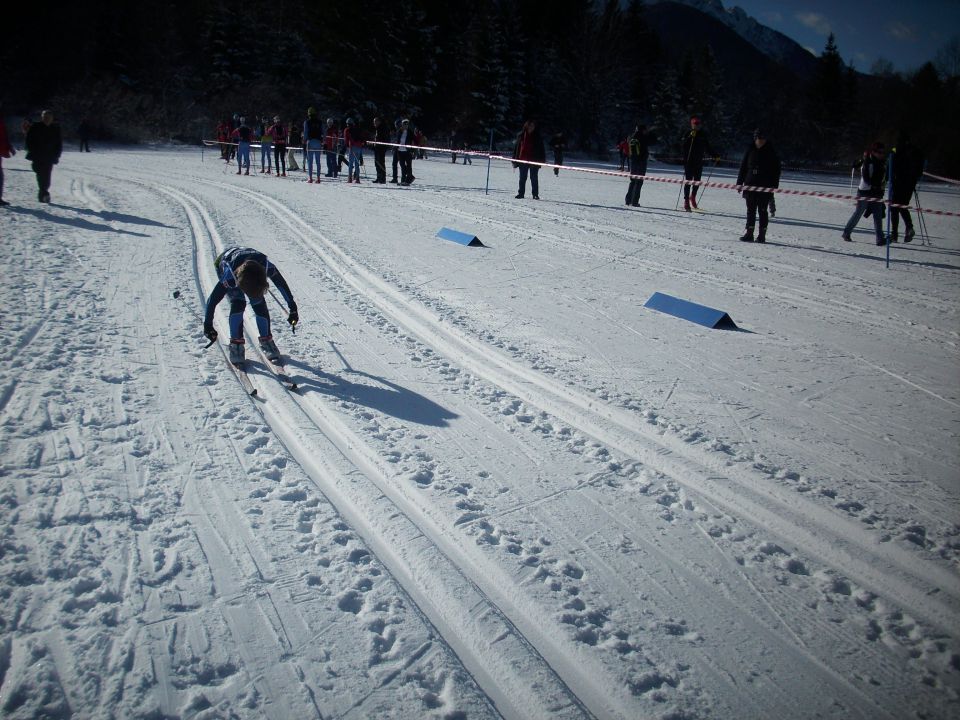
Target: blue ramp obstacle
x=700, y=314
x=460, y=237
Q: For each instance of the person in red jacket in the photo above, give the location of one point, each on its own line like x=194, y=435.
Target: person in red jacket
x=529, y=147
x=6, y=151
x=353, y=140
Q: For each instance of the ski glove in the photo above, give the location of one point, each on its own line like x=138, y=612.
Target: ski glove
x=294, y=317
x=210, y=333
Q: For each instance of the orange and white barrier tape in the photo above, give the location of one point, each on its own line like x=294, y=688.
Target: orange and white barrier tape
x=664, y=179
x=942, y=179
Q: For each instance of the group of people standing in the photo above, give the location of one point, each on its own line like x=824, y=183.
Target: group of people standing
x=314, y=137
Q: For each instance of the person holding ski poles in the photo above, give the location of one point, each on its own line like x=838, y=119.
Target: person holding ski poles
x=695, y=145
x=638, y=152
x=243, y=273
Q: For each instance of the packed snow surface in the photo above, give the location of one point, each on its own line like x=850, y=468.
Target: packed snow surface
x=505, y=488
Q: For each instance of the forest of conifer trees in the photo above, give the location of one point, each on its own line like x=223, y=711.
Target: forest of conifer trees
x=156, y=70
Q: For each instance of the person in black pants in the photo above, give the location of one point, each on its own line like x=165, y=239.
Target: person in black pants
x=694, y=145
x=528, y=150
x=405, y=152
x=381, y=134
x=84, y=132
x=44, y=146
x=638, y=151
x=906, y=170
x=760, y=168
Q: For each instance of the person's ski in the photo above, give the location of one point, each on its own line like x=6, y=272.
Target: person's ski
x=241, y=371
x=279, y=370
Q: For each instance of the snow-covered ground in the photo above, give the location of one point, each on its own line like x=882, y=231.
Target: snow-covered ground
x=505, y=488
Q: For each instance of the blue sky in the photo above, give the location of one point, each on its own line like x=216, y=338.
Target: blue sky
x=907, y=33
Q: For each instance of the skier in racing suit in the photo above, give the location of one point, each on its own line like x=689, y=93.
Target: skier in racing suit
x=243, y=273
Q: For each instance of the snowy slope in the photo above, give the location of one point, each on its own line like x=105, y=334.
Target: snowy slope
x=505, y=489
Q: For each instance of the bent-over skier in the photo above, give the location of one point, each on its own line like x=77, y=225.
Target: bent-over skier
x=243, y=273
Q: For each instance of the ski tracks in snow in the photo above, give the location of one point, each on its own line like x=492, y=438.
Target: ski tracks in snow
x=575, y=578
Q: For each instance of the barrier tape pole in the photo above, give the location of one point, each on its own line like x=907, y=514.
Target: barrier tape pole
x=670, y=180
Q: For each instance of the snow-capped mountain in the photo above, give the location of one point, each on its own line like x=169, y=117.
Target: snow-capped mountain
x=770, y=42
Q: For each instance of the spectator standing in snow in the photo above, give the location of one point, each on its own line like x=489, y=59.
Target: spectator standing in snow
x=279, y=134
x=243, y=273
x=234, y=124
x=529, y=149
x=873, y=176
x=405, y=152
x=353, y=142
x=44, y=146
x=266, y=144
x=381, y=134
x=906, y=169
x=623, y=147
x=638, y=151
x=294, y=140
x=313, y=138
x=396, y=150
x=243, y=136
x=223, y=137
x=694, y=145
x=760, y=168
x=330, y=143
x=6, y=151
x=84, y=132
x=558, y=143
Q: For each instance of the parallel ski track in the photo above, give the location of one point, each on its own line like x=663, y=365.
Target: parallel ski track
x=929, y=591
x=396, y=532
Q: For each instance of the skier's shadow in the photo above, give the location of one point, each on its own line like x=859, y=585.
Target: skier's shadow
x=381, y=394
x=80, y=223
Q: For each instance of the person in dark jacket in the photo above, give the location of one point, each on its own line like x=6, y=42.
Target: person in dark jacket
x=44, y=146
x=694, y=145
x=6, y=151
x=84, y=132
x=314, y=138
x=529, y=149
x=381, y=134
x=873, y=177
x=558, y=143
x=243, y=273
x=404, y=142
x=638, y=151
x=243, y=136
x=760, y=168
x=906, y=170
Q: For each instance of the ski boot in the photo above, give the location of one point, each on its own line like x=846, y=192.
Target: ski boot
x=269, y=348
x=686, y=204
x=908, y=235
x=693, y=202
x=748, y=235
x=762, y=235
x=236, y=352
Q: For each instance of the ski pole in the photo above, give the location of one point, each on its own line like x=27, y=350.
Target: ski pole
x=176, y=295
x=703, y=188
x=921, y=220
x=293, y=326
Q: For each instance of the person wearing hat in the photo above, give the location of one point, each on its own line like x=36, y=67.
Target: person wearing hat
x=906, y=169
x=760, y=168
x=873, y=176
x=279, y=134
x=694, y=145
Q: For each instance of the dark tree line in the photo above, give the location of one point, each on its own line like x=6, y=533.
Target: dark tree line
x=591, y=68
